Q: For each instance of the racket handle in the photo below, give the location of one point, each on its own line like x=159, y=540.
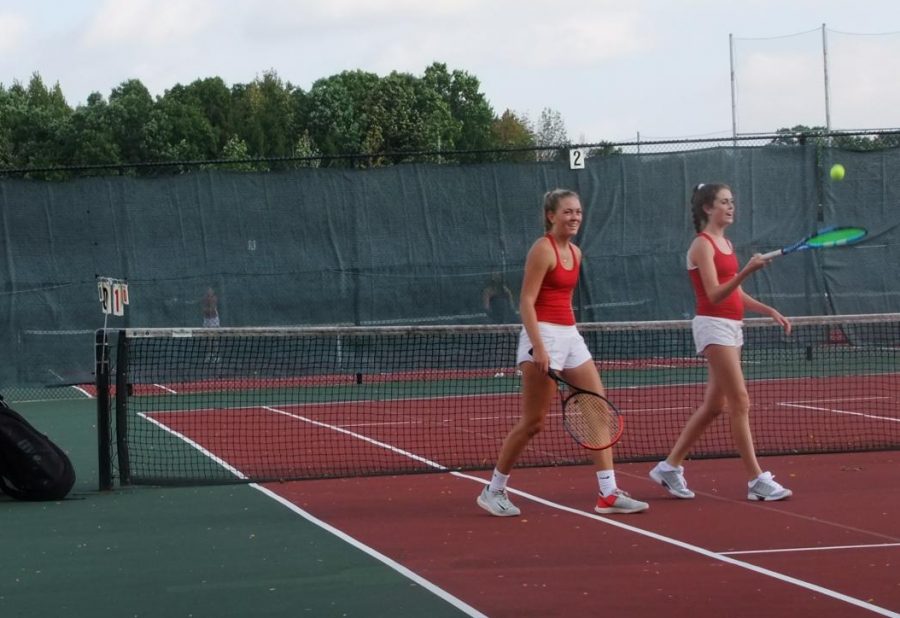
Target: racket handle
x=771, y=254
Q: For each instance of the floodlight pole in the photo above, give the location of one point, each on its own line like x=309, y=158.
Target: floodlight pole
x=825, y=67
x=733, y=103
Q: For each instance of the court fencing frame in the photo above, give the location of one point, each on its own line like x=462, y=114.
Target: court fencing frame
x=171, y=229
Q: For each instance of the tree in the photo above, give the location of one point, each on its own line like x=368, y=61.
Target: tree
x=236, y=149
x=33, y=119
x=405, y=115
x=468, y=106
x=213, y=100
x=604, y=149
x=306, y=148
x=336, y=112
x=178, y=130
x=799, y=134
x=5, y=129
x=511, y=131
x=87, y=139
x=130, y=107
x=876, y=141
x=263, y=114
x=551, y=133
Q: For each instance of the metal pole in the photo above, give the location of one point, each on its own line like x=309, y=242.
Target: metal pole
x=825, y=66
x=733, y=104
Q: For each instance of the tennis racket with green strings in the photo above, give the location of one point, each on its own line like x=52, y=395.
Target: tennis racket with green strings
x=823, y=239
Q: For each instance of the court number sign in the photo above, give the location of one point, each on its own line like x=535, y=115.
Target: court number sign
x=576, y=159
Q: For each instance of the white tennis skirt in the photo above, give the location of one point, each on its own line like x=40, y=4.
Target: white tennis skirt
x=564, y=345
x=716, y=331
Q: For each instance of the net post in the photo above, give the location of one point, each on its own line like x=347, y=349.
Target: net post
x=104, y=443
x=122, y=409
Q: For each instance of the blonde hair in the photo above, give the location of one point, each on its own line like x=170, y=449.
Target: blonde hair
x=551, y=203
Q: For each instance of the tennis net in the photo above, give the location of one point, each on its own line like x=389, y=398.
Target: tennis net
x=196, y=406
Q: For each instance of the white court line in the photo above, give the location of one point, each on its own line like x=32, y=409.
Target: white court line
x=83, y=391
x=718, y=556
x=196, y=445
x=837, y=411
x=371, y=551
x=653, y=535
x=389, y=562
x=803, y=549
x=166, y=388
x=359, y=436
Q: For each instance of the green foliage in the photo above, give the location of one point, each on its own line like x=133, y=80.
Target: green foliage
x=236, y=150
x=32, y=121
x=88, y=139
x=512, y=132
x=551, y=133
x=468, y=107
x=820, y=136
x=800, y=134
x=604, y=149
x=263, y=115
x=337, y=113
x=877, y=141
x=353, y=118
x=305, y=148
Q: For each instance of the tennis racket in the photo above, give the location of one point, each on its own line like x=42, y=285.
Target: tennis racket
x=828, y=237
x=591, y=419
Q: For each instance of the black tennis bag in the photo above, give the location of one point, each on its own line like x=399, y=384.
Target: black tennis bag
x=32, y=467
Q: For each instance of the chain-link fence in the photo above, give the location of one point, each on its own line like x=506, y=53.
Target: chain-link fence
x=424, y=238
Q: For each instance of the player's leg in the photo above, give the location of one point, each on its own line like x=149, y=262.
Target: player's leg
x=611, y=499
x=725, y=363
x=670, y=472
x=713, y=405
x=537, y=394
x=725, y=368
x=538, y=390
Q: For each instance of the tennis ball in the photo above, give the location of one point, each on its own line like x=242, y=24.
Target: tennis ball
x=837, y=171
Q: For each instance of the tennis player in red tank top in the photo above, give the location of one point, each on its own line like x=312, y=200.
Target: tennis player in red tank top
x=548, y=339
x=713, y=268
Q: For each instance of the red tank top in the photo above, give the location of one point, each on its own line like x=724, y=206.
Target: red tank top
x=732, y=306
x=554, y=300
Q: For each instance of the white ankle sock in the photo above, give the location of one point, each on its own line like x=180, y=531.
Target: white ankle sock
x=607, y=481
x=498, y=481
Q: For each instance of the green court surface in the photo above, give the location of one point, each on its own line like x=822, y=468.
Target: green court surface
x=190, y=551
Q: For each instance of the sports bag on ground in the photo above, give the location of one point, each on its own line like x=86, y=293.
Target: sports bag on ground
x=32, y=467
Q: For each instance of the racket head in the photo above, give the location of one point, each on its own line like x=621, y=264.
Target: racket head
x=836, y=237
x=592, y=420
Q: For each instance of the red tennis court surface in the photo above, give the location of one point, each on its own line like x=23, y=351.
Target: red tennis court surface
x=830, y=551
x=351, y=437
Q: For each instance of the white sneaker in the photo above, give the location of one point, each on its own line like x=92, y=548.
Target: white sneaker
x=764, y=487
x=619, y=502
x=497, y=503
x=673, y=480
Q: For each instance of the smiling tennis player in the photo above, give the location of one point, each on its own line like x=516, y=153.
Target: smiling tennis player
x=549, y=339
x=713, y=267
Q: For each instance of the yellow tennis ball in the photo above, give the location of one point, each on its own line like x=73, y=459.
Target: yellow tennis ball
x=837, y=171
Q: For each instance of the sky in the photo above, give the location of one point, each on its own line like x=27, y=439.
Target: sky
x=615, y=70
